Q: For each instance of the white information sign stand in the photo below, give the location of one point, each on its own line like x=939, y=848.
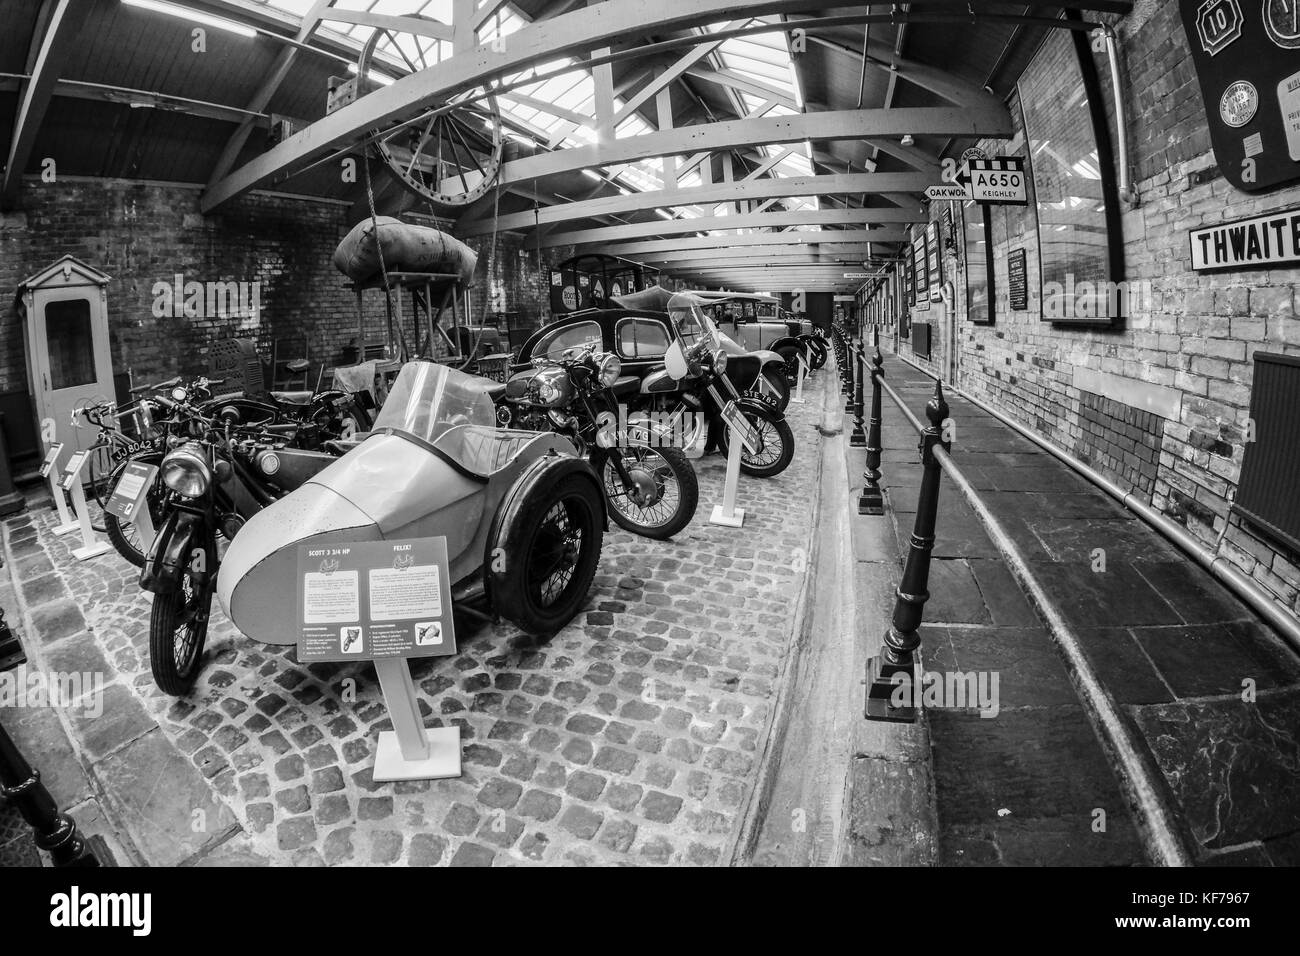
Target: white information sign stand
x=738, y=434
x=91, y=547
x=67, y=524
x=411, y=751
x=385, y=601
x=798, y=392
x=130, y=500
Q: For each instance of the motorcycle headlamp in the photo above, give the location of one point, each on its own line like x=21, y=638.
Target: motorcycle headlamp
x=608, y=369
x=186, y=471
x=720, y=360
x=552, y=387
x=179, y=394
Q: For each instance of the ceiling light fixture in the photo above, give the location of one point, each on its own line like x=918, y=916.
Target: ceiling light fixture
x=185, y=13
x=908, y=140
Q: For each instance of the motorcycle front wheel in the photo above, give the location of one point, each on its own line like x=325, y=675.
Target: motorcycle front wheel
x=775, y=441
x=663, y=495
x=178, y=628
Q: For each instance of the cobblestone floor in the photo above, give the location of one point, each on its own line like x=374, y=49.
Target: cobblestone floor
x=633, y=736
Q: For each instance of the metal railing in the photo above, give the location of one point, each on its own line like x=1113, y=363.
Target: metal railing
x=891, y=674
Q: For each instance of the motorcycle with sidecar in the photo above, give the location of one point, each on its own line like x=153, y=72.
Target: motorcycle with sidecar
x=523, y=514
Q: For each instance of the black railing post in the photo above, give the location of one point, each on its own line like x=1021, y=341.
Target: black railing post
x=859, y=438
x=55, y=832
x=850, y=360
x=892, y=688
x=872, y=501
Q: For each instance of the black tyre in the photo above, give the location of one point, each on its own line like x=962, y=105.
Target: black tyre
x=664, y=495
x=790, y=355
x=552, y=546
x=817, y=353
x=775, y=442
x=178, y=628
x=125, y=538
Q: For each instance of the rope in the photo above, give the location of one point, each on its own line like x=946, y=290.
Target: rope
x=383, y=267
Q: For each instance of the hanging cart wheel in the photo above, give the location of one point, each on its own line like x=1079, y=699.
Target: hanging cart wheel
x=449, y=154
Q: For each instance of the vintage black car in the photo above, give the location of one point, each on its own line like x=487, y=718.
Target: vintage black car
x=640, y=339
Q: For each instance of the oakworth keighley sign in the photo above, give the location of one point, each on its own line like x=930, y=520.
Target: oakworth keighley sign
x=1247, y=56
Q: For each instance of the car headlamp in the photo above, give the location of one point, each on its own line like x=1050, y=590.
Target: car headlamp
x=186, y=471
x=720, y=360
x=179, y=394
x=608, y=369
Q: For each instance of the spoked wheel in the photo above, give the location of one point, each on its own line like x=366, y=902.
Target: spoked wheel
x=178, y=628
x=551, y=546
x=774, y=443
x=661, y=492
x=448, y=155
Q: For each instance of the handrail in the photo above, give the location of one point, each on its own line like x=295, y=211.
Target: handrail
x=1163, y=835
x=1233, y=578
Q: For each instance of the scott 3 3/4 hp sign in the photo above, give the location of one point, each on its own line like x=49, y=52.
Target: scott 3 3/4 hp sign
x=1247, y=56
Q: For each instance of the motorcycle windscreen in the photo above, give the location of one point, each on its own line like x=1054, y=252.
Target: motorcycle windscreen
x=675, y=360
x=387, y=487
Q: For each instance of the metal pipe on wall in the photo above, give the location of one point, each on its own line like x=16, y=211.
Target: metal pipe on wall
x=1126, y=190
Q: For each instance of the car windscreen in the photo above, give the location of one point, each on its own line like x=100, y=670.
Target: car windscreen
x=426, y=399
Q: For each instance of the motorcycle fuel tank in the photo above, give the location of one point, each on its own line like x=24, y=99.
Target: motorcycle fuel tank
x=387, y=487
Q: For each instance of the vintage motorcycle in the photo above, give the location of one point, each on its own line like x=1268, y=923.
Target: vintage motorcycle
x=650, y=486
x=523, y=516
x=216, y=475
x=697, y=385
x=328, y=416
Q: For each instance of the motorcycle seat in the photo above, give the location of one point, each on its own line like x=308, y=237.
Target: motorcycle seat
x=292, y=398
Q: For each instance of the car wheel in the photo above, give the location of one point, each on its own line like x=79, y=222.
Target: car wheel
x=551, y=551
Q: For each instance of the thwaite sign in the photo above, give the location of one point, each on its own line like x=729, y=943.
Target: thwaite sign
x=1264, y=241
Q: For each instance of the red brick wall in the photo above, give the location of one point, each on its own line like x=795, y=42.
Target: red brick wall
x=1197, y=336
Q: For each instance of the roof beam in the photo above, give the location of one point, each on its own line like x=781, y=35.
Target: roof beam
x=732, y=134
x=882, y=56
x=757, y=256
x=419, y=26
x=663, y=227
x=682, y=64
x=800, y=239
x=724, y=192
x=48, y=57
x=267, y=89
x=486, y=12
x=575, y=33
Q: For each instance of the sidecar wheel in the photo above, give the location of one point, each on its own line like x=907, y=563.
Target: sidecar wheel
x=551, y=551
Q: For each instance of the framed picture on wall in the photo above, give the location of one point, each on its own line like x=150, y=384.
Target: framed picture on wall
x=934, y=257
x=921, y=272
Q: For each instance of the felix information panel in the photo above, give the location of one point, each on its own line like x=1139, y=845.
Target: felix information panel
x=1247, y=56
x=374, y=599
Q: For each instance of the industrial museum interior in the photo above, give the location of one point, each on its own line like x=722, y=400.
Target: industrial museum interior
x=559, y=433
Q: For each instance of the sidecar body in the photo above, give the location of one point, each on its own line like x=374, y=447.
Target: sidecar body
x=434, y=465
